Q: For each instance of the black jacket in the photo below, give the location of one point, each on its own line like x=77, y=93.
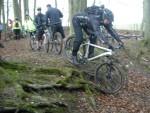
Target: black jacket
x=90, y=23
x=40, y=21
x=53, y=16
x=103, y=12
x=96, y=10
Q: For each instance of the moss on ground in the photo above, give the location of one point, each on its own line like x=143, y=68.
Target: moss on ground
x=14, y=74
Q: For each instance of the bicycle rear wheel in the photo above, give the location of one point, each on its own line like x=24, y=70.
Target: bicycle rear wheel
x=69, y=47
x=58, y=43
x=109, y=78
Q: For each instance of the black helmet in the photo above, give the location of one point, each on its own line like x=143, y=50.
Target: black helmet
x=39, y=9
x=48, y=5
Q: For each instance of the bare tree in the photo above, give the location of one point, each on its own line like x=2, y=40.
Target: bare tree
x=3, y=12
x=26, y=7
x=56, y=3
x=74, y=7
x=94, y=2
x=34, y=7
x=20, y=12
x=146, y=20
x=16, y=7
x=1, y=5
x=7, y=14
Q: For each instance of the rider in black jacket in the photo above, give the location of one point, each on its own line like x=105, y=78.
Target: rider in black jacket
x=90, y=21
x=107, y=19
x=40, y=26
x=90, y=24
x=53, y=16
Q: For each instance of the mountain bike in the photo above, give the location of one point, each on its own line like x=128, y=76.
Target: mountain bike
x=54, y=43
x=109, y=75
x=34, y=41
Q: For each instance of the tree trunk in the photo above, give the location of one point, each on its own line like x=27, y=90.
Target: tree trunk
x=7, y=14
x=146, y=20
x=1, y=5
x=20, y=11
x=4, y=24
x=94, y=2
x=56, y=3
x=3, y=12
x=16, y=7
x=74, y=8
x=34, y=7
x=26, y=7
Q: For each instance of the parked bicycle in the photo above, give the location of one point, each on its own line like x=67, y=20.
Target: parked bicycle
x=55, y=42
x=109, y=75
x=34, y=43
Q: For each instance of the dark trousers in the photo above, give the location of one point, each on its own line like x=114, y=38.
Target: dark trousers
x=58, y=28
x=39, y=34
x=17, y=33
x=79, y=37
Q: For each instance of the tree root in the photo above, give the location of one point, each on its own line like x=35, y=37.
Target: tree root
x=36, y=87
x=13, y=110
x=35, y=105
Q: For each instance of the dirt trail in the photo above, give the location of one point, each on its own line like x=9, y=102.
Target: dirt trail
x=135, y=98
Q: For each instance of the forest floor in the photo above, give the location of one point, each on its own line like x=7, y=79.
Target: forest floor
x=22, y=68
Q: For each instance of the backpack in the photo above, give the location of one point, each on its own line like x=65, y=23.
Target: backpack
x=16, y=24
x=95, y=10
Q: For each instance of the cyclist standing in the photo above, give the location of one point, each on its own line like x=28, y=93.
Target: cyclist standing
x=53, y=16
x=40, y=26
x=16, y=28
x=29, y=25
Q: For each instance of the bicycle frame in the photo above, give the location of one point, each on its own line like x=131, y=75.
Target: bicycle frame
x=107, y=53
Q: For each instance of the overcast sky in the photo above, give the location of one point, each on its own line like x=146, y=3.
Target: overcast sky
x=125, y=11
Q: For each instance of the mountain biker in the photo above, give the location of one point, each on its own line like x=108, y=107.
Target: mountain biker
x=90, y=24
x=107, y=19
x=40, y=26
x=1, y=29
x=16, y=28
x=90, y=21
x=53, y=16
x=29, y=25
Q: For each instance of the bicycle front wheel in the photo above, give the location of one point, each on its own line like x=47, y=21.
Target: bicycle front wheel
x=109, y=78
x=33, y=43
x=46, y=43
x=58, y=43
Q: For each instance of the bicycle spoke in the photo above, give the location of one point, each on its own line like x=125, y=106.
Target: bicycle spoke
x=58, y=43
